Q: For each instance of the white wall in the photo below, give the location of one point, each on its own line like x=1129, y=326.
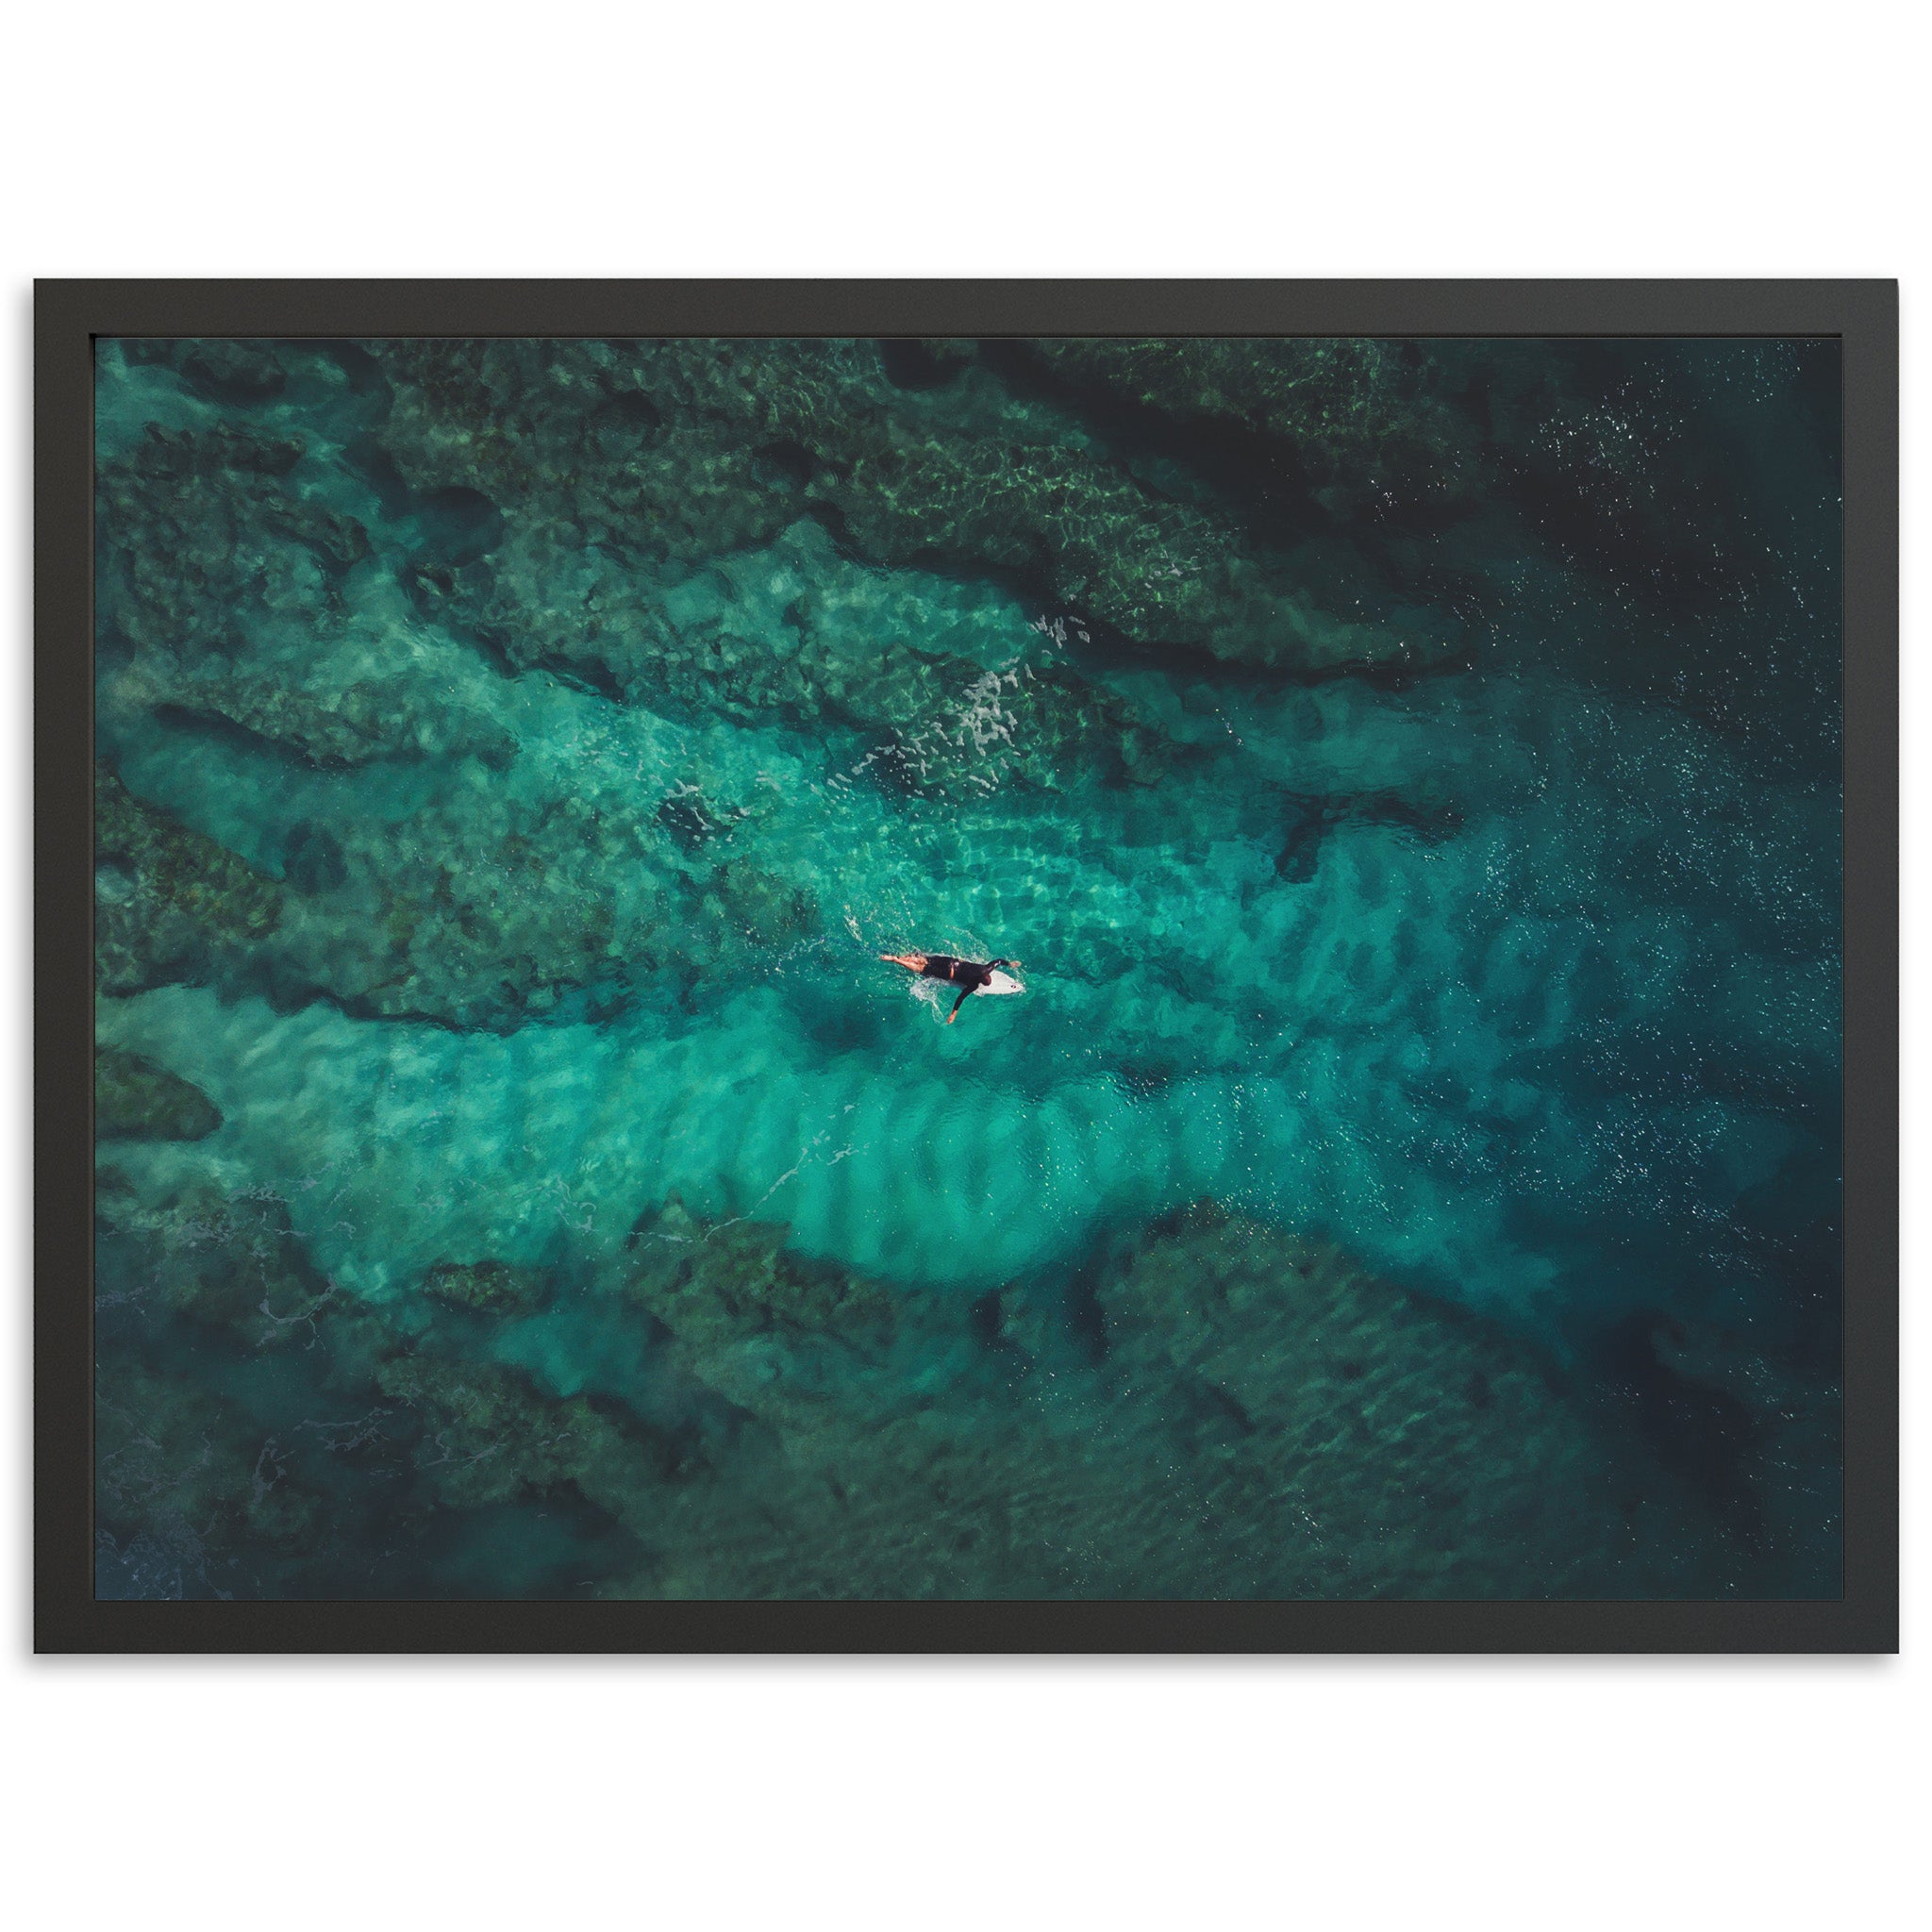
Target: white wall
x=401, y=140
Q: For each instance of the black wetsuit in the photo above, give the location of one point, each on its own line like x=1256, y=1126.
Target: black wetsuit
x=967, y=975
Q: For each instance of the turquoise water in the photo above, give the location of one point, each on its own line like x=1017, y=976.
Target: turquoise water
x=1409, y=775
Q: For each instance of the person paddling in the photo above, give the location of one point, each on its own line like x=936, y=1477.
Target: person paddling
x=968, y=976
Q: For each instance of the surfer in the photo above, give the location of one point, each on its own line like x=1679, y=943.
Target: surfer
x=968, y=976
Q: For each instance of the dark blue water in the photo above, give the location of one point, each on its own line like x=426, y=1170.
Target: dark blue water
x=1408, y=774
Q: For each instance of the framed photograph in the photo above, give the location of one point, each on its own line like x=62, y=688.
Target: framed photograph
x=966, y=967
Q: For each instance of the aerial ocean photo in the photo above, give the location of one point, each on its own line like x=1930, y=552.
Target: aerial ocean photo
x=979, y=968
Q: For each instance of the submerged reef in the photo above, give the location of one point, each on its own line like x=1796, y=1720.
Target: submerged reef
x=1407, y=773
x=1259, y=1418
x=169, y=903
x=1253, y=1416
x=475, y=922
x=676, y=451
x=1344, y=419
x=134, y=1099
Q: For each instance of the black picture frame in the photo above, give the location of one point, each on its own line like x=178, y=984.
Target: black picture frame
x=70, y=314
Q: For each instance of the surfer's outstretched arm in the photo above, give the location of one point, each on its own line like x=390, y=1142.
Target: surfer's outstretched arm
x=966, y=992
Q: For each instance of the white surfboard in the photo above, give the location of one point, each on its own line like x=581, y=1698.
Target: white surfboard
x=1002, y=982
